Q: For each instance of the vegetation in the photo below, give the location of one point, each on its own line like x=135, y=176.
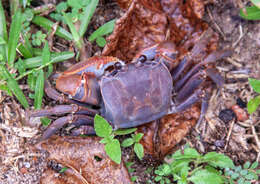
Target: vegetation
x=188, y=166
x=251, y=12
x=112, y=146
x=254, y=103
x=33, y=63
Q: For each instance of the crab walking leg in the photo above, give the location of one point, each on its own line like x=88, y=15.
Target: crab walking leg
x=195, y=97
x=192, y=84
x=83, y=130
x=76, y=120
x=209, y=59
x=54, y=94
x=63, y=109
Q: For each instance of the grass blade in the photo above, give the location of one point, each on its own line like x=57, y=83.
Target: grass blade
x=55, y=57
x=73, y=30
x=3, y=31
x=47, y=24
x=103, y=30
x=88, y=13
x=39, y=90
x=46, y=55
x=253, y=13
x=15, y=29
x=14, y=87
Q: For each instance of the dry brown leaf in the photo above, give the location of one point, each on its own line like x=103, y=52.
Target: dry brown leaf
x=160, y=137
x=80, y=154
x=149, y=22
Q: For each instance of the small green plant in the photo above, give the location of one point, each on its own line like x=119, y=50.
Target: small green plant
x=251, y=12
x=131, y=170
x=253, y=104
x=242, y=175
x=112, y=146
x=188, y=166
x=134, y=140
x=38, y=38
x=73, y=12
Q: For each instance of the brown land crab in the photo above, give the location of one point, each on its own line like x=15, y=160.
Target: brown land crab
x=153, y=85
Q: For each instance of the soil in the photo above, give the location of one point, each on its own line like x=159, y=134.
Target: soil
x=20, y=164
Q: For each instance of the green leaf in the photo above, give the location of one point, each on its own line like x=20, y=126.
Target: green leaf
x=253, y=13
x=204, y=176
x=246, y=165
x=253, y=104
x=75, y=34
x=103, y=30
x=102, y=127
x=188, y=153
x=46, y=55
x=6, y=89
x=3, y=32
x=87, y=15
x=101, y=41
x=127, y=142
x=62, y=6
x=254, y=165
x=63, y=170
x=39, y=90
x=139, y=150
x=124, y=131
x=218, y=160
x=24, y=51
x=45, y=121
x=137, y=137
x=255, y=84
x=113, y=150
x=256, y=3
x=15, y=29
x=47, y=24
x=14, y=87
x=2, y=41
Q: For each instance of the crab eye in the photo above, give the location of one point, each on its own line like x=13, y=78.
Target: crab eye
x=142, y=59
x=118, y=65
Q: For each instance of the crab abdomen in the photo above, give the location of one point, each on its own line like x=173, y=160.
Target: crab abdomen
x=136, y=95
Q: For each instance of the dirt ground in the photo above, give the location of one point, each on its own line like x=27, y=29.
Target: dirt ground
x=20, y=164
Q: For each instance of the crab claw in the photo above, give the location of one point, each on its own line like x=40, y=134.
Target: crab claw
x=80, y=81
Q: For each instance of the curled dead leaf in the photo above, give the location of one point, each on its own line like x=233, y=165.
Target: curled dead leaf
x=85, y=159
x=160, y=137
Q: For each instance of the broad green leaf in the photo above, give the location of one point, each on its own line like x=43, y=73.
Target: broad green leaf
x=139, y=150
x=103, y=30
x=188, y=153
x=246, y=165
x=24, y=51
x=15, y=30
x=137, y=137
x=101, y=41
x=125, y=131
x=113, y=150
x=218, y=160
x=47, y=24
x=256, y=3
x=45, y=121
x=31, y=81
x=254, y=165
x=127, y=142
x=253, y=13
x=87, y=15
x=253, y=104
x=39, y=90
x=102, y=127
x=178, y=165
x=204, y=176
x=255, y=84
x=14, y=87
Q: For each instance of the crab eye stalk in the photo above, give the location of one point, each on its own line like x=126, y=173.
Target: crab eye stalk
x=142, y=59
x=118, y=65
